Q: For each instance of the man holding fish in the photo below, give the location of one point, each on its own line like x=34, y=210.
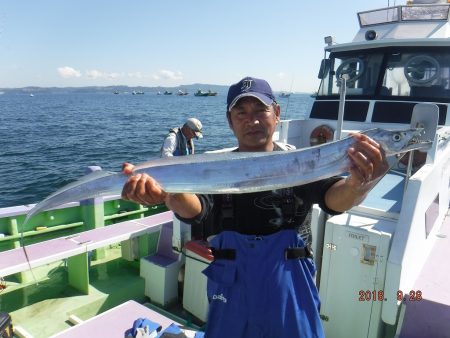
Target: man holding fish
x=261, y=283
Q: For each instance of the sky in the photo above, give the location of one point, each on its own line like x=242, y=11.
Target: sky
x=74, y=43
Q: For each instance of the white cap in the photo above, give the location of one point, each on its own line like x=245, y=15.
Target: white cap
x=196, y=126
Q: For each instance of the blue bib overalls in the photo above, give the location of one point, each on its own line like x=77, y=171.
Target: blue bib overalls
x=258, y=292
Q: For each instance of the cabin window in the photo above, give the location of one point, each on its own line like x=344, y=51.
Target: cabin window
x=362, y=70
x=412, y=74
x=418, y=75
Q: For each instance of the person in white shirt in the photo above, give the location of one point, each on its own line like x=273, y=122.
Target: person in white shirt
x=179, y=141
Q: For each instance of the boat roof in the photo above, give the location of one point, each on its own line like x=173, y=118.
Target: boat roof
x=410, y=25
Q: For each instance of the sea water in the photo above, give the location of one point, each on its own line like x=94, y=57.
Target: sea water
x=49, y=139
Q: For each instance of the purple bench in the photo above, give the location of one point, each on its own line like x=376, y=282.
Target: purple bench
x=76, y=247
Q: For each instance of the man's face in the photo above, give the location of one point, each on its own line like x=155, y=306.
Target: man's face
x=188, y=133
x=253, y=124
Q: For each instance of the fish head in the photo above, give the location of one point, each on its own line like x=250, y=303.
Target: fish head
x=399, y=141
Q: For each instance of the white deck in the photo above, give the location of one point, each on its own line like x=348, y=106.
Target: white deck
x=114, y=322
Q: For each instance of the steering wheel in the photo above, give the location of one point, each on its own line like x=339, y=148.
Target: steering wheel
x=353, y=71
x=421, y=69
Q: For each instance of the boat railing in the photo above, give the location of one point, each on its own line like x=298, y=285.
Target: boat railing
x=424, y=206
x=66, y=219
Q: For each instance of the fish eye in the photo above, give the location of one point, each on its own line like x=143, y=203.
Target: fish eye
x=396, y=137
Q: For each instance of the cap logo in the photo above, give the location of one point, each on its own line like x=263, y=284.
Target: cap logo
x=246, y=85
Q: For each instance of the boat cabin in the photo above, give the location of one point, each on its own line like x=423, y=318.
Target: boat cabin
x=400, y=56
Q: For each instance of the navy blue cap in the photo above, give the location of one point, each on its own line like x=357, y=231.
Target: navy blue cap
x=250, y=86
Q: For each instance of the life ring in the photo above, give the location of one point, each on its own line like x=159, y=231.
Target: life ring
x=321, y=134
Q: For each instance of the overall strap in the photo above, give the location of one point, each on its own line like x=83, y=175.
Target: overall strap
x=182, y=146
x=227, y=212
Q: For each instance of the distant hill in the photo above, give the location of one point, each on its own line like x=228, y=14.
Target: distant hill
x=191, y=89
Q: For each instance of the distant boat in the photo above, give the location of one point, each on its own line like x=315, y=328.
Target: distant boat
x=158, y=93
x=137, y=92
x=202, y=93
x=283, y=94
x=31, y=94
x=182, y=93
x=116, y=92
x=167, y=93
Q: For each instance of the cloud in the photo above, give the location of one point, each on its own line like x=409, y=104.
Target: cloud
x=168, y=75
x=97, y=74
x=114, y=75
x=68, y=72
x=94, y=74
x=137, y=75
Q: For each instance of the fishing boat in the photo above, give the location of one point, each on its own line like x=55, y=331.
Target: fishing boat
x=200, y=93
x=182, y=93
x=203, y=93
x=97, y=265
x=284, y=94
x=167, y=92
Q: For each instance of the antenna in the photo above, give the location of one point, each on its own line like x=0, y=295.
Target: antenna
x=289, y=98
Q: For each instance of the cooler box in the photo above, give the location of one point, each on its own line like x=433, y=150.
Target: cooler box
x=354, y=260
x=6, y=330
x=198, y=256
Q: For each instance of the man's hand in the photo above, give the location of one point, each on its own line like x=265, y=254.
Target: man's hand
x=143, y=189
x=368, y=163
x=368, y=166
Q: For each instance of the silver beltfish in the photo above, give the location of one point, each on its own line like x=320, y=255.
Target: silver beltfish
x=236, y=172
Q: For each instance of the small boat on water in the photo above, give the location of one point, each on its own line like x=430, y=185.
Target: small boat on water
x=284, y=94
x=31, y=95
x=382, y=267
x=202, y=93
x=182, y=93
x=137, y=92
x=167, y=92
